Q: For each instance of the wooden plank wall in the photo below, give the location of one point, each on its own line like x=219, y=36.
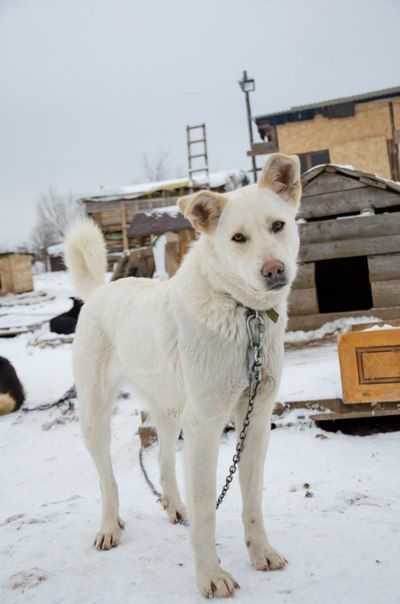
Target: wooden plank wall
x=384, y=275
x=303, y=297
x=343, y=195
x=357, y=236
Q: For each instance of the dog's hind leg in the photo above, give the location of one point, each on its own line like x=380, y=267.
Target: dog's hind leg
x=168, y=428
x=96, y=396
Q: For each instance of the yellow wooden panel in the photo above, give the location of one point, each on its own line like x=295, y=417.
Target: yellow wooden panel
x=370, y=366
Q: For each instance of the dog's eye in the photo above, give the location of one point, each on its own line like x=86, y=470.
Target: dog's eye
x=239, y=238
x=278, y=226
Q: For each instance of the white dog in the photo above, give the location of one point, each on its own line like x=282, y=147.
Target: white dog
x=183, y=343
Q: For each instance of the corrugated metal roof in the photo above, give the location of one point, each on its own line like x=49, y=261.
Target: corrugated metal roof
x=367, y=96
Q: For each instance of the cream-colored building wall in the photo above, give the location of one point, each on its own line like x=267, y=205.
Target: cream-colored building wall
x=367, y=154
x=370, y=126
x=16, y=273
x=5, y=275
x=396, y=114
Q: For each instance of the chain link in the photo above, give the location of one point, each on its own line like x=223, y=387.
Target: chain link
x=255, y=325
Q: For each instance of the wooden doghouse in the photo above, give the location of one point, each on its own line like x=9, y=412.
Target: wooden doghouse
x=15, y=273
x=56, y=257
x=166, y=221
x=350, y=248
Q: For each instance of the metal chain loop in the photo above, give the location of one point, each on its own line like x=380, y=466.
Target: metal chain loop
x=255, y=325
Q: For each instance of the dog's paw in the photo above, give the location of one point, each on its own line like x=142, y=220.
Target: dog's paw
x=217, y=585
x=176, y=512
x=266, y=558
x=108, y=538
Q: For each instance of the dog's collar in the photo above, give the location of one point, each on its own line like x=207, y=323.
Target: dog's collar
x=270, y=312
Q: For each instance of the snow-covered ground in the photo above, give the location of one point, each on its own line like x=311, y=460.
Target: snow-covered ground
x=340, y=533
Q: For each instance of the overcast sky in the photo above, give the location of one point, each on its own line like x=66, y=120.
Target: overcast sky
x=87, y=86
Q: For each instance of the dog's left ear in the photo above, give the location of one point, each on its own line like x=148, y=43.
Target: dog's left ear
x=281, y=173
x=203, y=209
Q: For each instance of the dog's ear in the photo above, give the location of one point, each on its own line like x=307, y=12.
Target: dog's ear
x=281, y=173
x=203, y=209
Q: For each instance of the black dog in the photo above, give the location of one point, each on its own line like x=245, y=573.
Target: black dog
x=66, y=322
x=11, y=391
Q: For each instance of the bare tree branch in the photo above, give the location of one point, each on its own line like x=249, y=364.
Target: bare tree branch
x=54, y=213
x=157, y=167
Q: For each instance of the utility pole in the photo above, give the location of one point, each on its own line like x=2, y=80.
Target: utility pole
x=247, y=85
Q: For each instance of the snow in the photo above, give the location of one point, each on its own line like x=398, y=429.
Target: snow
x=339, y=533
x=159, y=258
x=379, y=327
x=231, y=179
x=332, y=328
x=56, y=250
x=170, y=210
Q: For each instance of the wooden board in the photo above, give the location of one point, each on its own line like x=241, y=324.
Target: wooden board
x=370, y=366
x=336, y=405
x=307, y=322
x=305, y=276
x=364, y=326
x=349, y=247
x=384, y=267
x=385, y=293
x=140, y=204
x=303, y=301
x=326, y=417
x=357, y=227
x=354, y=200
x=147, y=435
x=330, y=183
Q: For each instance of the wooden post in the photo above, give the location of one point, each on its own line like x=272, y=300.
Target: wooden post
x=394, y=149
x=125, y=245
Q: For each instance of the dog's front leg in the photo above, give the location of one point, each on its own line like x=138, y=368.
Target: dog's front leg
x=251, y=473
x=201, y=438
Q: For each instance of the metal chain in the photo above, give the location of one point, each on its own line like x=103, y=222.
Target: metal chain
x=255, y=325
x=66, y=399
x=255, y=329
x=152, y=488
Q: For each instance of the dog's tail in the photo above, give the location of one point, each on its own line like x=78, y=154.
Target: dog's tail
x=85, y=256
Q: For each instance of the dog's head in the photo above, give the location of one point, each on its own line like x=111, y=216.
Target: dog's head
x=251, y=233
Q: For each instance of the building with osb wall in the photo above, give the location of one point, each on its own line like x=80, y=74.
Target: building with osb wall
x=362, y=131
x=15, y=272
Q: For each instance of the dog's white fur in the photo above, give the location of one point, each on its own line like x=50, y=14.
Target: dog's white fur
x=183, y=342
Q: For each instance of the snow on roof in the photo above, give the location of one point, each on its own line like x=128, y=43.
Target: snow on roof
x=230, y=179
x=158, y=221
x=14, y=248
x=170, y=210
x=56, y=250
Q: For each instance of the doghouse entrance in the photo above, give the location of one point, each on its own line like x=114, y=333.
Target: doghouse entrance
x=343, y=284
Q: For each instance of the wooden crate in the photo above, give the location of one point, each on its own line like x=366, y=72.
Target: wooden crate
x=370, y=366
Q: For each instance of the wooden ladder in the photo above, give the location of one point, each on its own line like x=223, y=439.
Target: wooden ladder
x=199, y=151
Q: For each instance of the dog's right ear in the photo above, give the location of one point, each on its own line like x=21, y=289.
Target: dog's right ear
x=203, y=209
